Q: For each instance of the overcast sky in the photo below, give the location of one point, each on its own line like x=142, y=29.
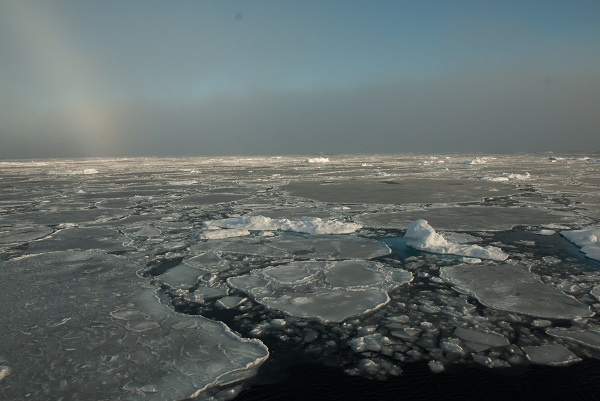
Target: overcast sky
x=165, y=78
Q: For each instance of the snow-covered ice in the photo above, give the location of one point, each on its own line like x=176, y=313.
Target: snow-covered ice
x=420, y=235
x=588, y=239
x=310, y=225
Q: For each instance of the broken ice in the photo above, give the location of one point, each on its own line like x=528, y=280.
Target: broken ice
x=121, y=273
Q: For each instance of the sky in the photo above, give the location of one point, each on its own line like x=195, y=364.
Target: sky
x=255, y=77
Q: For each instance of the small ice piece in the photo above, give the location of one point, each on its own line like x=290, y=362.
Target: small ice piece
x=182, y=276
x=545, y=231
x=589, y=338
x=453, y=346
x=4, y=371
x=514, y=288
x=420, y=235
x=553, y=355
x=596, y=292
x=436, y=367
x=481, y=337
x=587, y=239
x=230, y=302
x=309, y=225
x=211, y=292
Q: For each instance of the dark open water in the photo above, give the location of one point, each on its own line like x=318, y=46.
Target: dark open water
x=315, y=382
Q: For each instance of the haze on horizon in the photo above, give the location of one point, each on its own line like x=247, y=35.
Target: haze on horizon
x=154, y=78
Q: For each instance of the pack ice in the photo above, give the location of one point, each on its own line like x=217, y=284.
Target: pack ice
x=90, y=329
x=158, y=278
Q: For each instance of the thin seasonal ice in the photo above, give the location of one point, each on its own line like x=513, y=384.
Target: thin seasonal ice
x=122, y=274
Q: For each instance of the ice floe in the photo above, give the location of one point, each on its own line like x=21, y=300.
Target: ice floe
x=326, y=291
x=420, y=235
x=588, y=239
x=98, y=332
x=553, y=355
x=514, y=288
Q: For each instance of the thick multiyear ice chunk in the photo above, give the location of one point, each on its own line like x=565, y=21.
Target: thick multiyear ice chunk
x=514, y=289
x=588, y=239
x=420, y=235
x=89, y=328
x=327, y=291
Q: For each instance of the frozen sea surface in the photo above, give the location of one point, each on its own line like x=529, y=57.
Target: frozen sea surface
x=169, y=278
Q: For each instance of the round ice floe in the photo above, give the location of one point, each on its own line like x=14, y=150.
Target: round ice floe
x=514, y=288
x=328, y=291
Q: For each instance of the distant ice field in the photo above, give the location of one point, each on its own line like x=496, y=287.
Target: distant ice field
x=168, y=278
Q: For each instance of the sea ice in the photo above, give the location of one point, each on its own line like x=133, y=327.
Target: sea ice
x=553, y=355
x=407, y=190
x=481, y=337
x=309, y=225
x=182, y=276
x=469, y=218
x=326, y=291
x=588, y=239
x=89, y=328
x=300, y=247
x=589, y=338
x=420, y=235
x=514, y=288
x=318, y=160
x=505, y=177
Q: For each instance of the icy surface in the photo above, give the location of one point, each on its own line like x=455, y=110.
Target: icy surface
x=92, y=330
x=420, y=235
x=588, y=239
x=328, y=285
x=310, y=225
x=470, y=218
x=327, y=291
x=553, y=355
x=589, y=338
x=514, y=288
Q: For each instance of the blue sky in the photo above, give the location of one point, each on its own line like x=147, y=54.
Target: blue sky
x=127, y=78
